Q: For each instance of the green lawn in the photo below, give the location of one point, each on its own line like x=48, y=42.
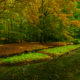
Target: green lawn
x=23, y=58
x=60, y=50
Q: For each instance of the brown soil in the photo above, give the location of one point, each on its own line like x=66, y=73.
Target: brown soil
x=9, y=49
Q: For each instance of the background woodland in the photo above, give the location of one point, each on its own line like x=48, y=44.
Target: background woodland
x=39, y=20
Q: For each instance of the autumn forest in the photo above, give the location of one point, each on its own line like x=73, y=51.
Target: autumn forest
x=39, y=39
x=39, y=20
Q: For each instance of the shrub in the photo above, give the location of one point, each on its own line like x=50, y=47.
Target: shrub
x=76, y=41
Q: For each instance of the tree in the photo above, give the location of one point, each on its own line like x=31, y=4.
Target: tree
x=39, y=20
x=55, y=11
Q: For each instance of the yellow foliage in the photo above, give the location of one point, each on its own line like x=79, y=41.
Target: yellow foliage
x=63, y=16
x=76, y=23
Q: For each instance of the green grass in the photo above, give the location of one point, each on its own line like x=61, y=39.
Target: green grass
x=60, y=50
x=62, y=68
x=24, y=57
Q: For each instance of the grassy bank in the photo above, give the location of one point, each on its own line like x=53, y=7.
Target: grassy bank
x=24, y=58
x=60, y=50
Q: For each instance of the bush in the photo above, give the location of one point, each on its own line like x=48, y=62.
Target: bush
x=76, y=41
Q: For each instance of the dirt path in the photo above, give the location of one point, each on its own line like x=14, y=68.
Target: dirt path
x=10, y=49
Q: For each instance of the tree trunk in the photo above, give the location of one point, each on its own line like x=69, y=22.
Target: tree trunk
x=8, y=31
x=41, y=23
x=41, y=37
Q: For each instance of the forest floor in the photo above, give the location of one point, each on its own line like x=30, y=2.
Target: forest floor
x=61, y=68
x=18, y=48
x=64, y=67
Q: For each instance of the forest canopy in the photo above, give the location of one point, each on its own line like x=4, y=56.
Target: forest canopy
x=39, y=20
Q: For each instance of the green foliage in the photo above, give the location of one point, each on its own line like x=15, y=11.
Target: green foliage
x=44, y=21
x=76, y=41
x=78, y=4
